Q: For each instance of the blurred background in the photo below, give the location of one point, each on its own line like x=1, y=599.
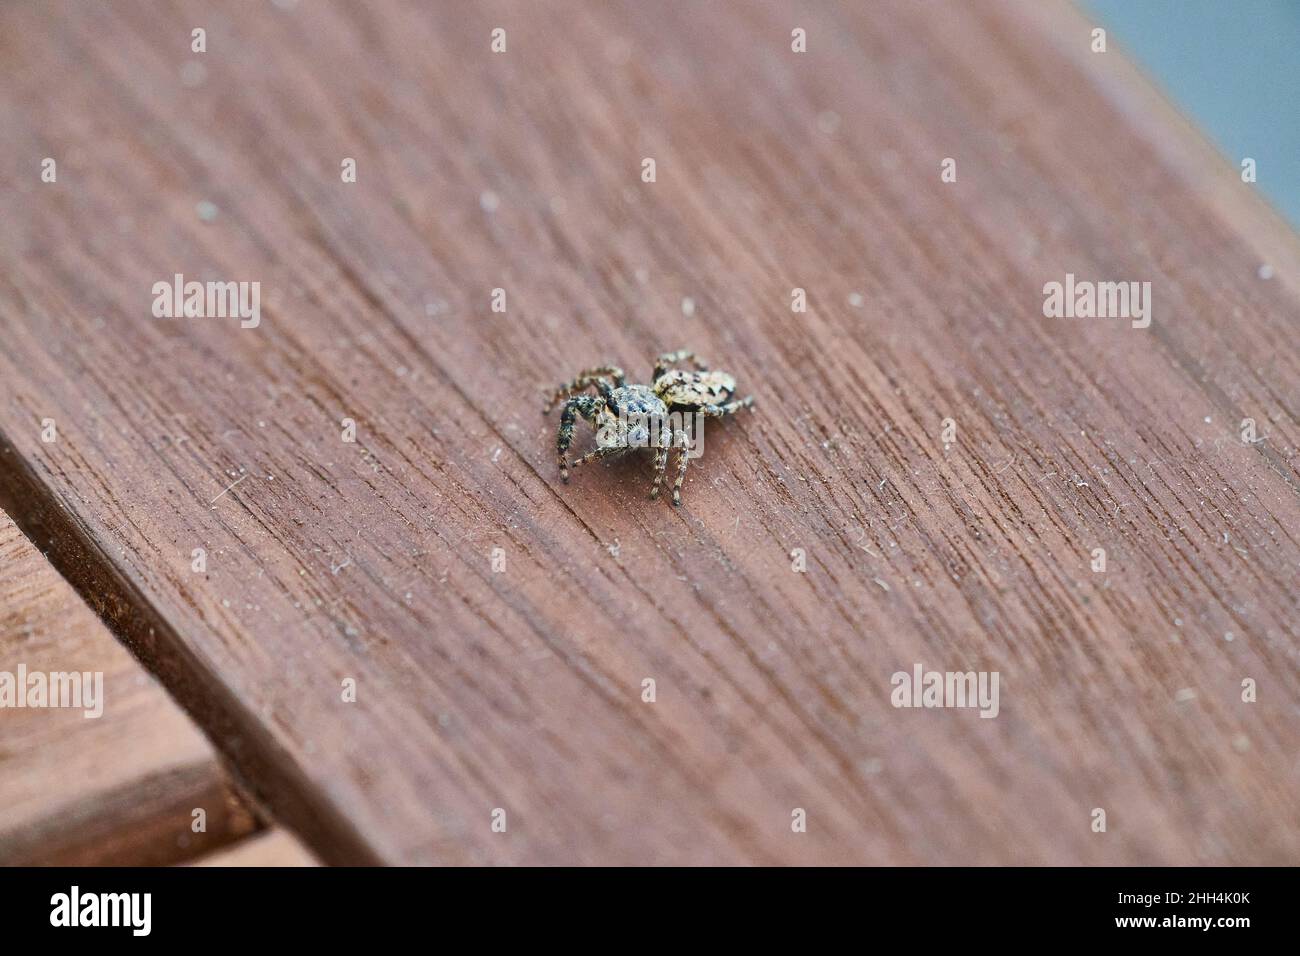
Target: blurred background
x=1233, y=66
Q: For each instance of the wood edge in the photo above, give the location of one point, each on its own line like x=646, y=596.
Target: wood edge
x=144, y=832
x=273, y=847
x=259, y=767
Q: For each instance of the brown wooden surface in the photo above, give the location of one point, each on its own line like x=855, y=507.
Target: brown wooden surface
x=273, y=847
x=522, y=690
x=117, y=789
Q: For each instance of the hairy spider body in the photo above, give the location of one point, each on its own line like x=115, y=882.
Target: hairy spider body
x=642, y=410
x=627, y=417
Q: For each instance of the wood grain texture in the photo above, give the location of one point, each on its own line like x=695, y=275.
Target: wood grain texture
x=272, y=847
x=114, y=789
x=522, y=690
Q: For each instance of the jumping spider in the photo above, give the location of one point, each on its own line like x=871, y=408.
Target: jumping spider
x=626, y=417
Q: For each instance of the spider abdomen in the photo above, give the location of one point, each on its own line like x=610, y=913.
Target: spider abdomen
x=694, y=388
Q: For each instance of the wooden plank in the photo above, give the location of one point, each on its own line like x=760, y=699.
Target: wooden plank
x=522, y=690
x=273, y=847
x=113, y=780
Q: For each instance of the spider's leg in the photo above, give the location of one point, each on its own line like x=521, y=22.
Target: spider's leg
x=672, y=358
x=726, y=408
x=584, y=405
x=682, y=459
x=661, y=465
x=598, y=454
x=585, y=378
